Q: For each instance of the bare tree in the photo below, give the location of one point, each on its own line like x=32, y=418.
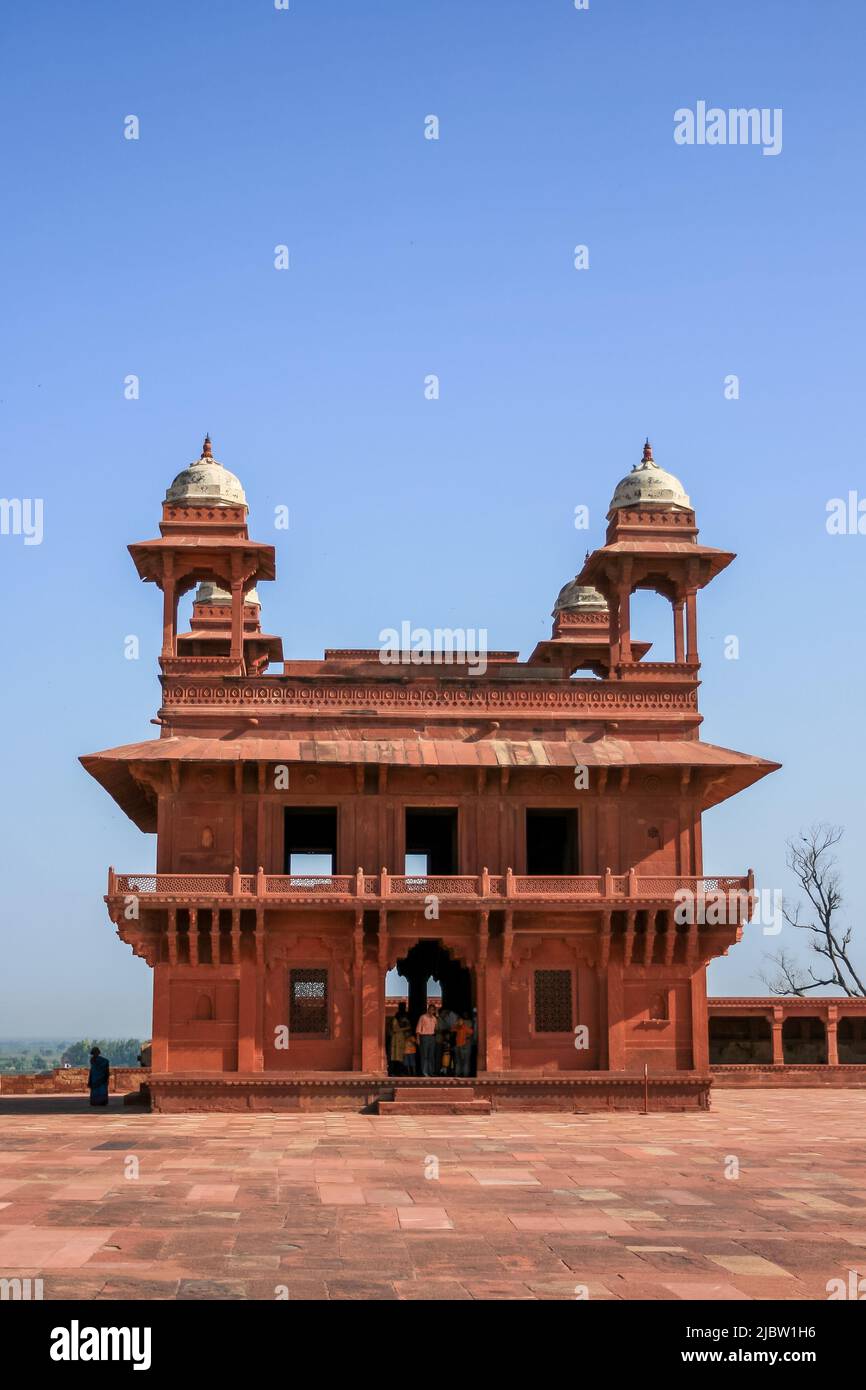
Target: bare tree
x=813, y=864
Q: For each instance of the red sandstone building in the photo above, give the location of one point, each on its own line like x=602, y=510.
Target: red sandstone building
x=519, y=833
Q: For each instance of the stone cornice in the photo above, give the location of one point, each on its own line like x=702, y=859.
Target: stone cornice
x=670, y=694
x=364, y=1080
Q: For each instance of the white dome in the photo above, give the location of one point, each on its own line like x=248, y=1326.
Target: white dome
x=207, y=482
x=647, y=485
x=582, y=598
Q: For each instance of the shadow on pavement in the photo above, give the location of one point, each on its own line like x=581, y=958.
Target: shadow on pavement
x=63, y=1105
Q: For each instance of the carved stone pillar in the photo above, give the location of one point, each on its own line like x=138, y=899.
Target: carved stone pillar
x=357, y=989
x=679, y=637
x=250, y=1006
x=481, y=988
x=628, y=944
x=237, y=647
x=692, y=626
x=700, y=1022
x=615, y=1017
x=161, y=1017
x=169, y=614
x=832, y=1035
x=215, y=935
x=383, y=950
x=192, y=936
x=624, y=599
x=505, y=990
x=172, y=936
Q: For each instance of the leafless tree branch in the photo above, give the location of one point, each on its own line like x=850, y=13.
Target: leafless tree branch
x=812, y=862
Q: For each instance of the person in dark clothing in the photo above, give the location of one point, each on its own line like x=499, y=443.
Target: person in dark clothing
x=97, y=1079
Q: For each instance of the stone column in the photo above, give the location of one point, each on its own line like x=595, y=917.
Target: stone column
x=215, y=935
x=692, y=625
x=373, y=1007
x=247, y=1016
x=615, y=1017
x=161, y=1017
x=777, y=1018
x=624, y=597
x=605, y=937
x=614, y=630
x=169, y=615
x=494, y=988
x=251, y=1003
x=192, y=936
x=481, y=988
x=832, y=1037
x=601, y=1051
x=371, y=1010
x=358, y=989
x=237, y=647
x=700, y=1021
x=383, y=972
x=505, y=988
x=679, y=644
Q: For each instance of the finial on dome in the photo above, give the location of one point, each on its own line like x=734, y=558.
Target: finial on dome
x=206, y=481
x=650, y=485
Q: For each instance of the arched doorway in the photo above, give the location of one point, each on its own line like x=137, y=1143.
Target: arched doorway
x=430, y=960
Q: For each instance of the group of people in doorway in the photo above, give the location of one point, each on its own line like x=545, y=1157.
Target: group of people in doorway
x=440, y=1044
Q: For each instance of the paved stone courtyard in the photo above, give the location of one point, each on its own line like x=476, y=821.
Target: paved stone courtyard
x=495, y=1207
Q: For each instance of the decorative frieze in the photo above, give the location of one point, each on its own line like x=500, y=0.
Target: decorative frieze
x=587, y=697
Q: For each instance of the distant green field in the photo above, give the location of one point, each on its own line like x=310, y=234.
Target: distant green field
x=20, y=1055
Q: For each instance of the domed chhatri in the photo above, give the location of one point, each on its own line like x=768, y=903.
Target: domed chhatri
x=209, y=592
x=647, y=485
x=579, y=598
x=206, y=482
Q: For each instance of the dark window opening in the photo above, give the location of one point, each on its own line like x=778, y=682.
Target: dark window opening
x=804, y=1040
x=851, y=1036
x=311, y=840
x=553, y=1012
x=739, y=1039
x=308, y=1002
x=551, y=842
x=431, y=840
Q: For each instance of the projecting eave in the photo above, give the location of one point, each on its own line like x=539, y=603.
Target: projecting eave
x=215, y=557
x=135, y=798
x=716, y=773
x=711, y=561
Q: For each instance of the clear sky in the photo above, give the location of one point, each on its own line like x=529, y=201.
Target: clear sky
x=409, y=257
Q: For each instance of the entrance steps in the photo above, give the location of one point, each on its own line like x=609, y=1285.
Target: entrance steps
x=433, y=1100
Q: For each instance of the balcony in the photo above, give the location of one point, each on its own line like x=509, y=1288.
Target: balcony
x=482, y=890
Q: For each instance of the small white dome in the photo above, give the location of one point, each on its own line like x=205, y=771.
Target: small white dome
x=207, y=482
x=647, y=485
x=583, y=598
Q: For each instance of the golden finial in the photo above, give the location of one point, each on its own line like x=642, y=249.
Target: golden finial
x=647, y=452
x=206, y=451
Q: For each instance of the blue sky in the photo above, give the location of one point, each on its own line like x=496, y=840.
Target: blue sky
x=408, y=257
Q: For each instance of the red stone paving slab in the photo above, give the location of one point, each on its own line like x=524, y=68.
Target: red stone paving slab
x=524, y=1206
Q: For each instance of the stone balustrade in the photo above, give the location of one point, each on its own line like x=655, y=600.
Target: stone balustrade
x=484, y=888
